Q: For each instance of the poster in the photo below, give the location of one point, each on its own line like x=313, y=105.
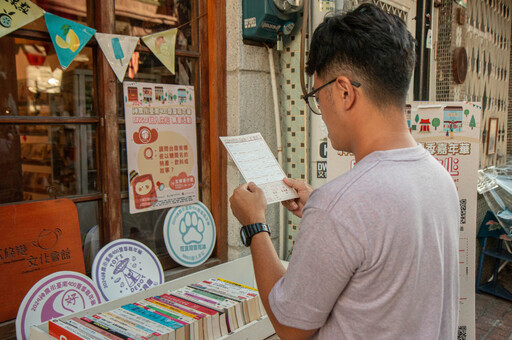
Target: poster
x=450, y=132
x=16, y=14
x=161, y=145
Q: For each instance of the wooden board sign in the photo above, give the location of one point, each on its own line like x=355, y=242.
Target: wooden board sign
x=38, y=239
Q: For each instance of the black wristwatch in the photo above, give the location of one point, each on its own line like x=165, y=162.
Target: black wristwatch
x=248, y=231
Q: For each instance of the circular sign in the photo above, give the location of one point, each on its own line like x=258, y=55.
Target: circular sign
x=55, y=296
x=189, y=234
x=125, y=266
x=460, y=65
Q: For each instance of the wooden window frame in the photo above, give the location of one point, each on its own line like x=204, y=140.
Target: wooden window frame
x=212, y=78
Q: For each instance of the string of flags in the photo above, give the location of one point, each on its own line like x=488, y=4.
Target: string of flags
x=70, y=37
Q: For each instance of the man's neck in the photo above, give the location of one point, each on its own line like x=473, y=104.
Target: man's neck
x=380, y=131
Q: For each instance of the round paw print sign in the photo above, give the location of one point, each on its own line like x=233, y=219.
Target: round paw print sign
x=125, y=266
x=189, y=234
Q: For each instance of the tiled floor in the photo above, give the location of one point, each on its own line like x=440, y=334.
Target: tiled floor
x=493, y=314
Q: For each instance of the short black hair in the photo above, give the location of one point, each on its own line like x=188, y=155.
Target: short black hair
x=369, y=44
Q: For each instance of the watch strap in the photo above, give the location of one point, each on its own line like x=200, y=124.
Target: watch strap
x=248, y=231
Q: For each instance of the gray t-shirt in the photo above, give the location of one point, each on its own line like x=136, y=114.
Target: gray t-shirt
x=376, y=256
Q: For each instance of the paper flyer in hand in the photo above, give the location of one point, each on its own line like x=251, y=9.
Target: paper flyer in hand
x=257, y=164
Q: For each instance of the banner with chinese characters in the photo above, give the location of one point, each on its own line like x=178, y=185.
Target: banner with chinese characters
x=161, y=145
x=450, y=132
x=38, y=238
x=16, y=14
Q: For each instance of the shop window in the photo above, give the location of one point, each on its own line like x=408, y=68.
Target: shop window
x=52, y=136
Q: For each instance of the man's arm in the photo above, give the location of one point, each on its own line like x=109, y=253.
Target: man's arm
x=248, y=204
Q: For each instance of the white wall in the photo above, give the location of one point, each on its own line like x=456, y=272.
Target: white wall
x=249, y=109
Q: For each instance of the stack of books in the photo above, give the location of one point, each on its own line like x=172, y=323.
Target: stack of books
x=205, y=310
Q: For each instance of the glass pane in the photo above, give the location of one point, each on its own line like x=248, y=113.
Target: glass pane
x=35, y=84
x=143, y=17
x=89, y=230
x=46, y=161
x=151, y=70
x=146, y=227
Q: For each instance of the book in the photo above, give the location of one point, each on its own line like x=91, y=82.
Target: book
x=116, y=326
x=251, y=293
x=227, y=318
x=169, y=326
x=191, y=326
x=126, y=322
x=240, y=304
x=59, y=329
x=107, y=334
x=195, y=314
x=165, y=332
x=87, y=330
x=195, y=323
x=212, y=316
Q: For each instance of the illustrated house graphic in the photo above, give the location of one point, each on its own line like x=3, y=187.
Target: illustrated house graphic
x=425, y=125
x=452, y=120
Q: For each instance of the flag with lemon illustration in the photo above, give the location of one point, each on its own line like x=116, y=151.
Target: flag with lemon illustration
x=163, y=44
x=15, y=14
x=118, y=49
x=68, y=37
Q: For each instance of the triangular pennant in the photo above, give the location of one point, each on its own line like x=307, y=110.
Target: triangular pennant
x=15, y=14
x=118, y=50
x=162, y=44
x=68, y=37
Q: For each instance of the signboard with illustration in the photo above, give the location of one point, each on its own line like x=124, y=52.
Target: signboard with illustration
x=161, y=145
x=124, y=267
x=39, y=238
x=450, y=132
x=189, y=234
x=54, y=296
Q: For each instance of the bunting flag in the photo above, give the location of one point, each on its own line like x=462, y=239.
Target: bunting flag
x=15, y=14
x=118, y=49
x=68, y=37
x=162, y=44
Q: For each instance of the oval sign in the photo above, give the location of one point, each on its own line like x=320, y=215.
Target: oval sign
x=125, y=266
x=55, y=296
x=189, y=234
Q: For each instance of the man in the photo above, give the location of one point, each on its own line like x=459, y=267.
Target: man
x=377, y=252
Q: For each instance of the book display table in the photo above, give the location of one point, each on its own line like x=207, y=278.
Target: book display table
x=240, y=271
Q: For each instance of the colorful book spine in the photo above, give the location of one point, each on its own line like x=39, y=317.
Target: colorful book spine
x=127, y=322
x=61, y=330
x=76, y=322
x=189, y=331
x=212, y=316
x=194, y=314
x=240, y=303
x=171, y=325
x=227, y=315
x=249, y=291
x=106, y=328
x=141, y=320
x=115, y=326
x=250, y=294
x=178, y=314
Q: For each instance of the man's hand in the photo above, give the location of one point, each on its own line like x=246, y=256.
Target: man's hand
x=303, y=190
x=248, y=204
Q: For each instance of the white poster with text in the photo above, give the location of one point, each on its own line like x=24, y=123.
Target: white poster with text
x=450, y=132
x=161, y=145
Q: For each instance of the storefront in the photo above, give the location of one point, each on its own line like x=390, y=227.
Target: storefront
x=63, y=135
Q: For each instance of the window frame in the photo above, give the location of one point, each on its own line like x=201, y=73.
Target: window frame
x=211, y=82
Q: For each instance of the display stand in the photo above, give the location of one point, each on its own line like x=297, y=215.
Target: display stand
x=240, y=270
x=498, y=253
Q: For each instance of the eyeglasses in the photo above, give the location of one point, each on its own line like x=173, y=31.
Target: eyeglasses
x=312, y=100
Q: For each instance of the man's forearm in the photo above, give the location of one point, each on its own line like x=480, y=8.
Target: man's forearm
x=268, y=269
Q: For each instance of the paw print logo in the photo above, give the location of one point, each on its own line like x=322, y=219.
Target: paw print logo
x=191, y=228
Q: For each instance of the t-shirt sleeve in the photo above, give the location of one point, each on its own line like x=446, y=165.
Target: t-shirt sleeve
x=325, y=256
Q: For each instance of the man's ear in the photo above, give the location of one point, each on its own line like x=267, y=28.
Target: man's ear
x=346, y=91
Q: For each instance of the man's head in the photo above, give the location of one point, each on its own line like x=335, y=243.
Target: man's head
x=369, y=46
